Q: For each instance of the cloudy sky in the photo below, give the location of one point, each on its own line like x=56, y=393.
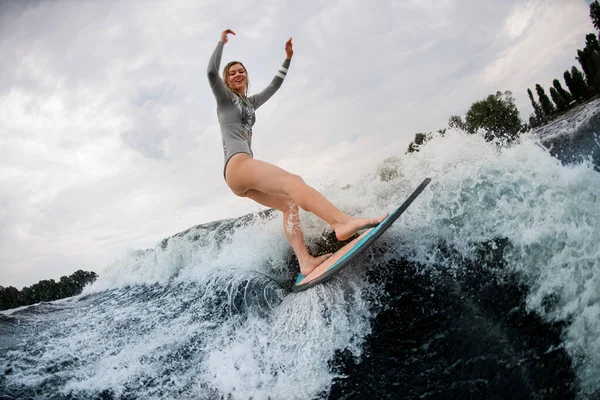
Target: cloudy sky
x=108, y=133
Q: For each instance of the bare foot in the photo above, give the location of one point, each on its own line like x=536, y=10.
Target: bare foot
x=308, y=265
x=345, y=230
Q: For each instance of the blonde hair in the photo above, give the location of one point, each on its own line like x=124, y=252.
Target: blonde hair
x=226, y=75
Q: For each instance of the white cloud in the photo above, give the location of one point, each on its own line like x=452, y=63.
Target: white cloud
x=538, y=51
x=521, y=18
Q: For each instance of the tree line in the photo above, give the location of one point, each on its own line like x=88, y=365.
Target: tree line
x=581, y=86
x=497, y=116
x=46, y=290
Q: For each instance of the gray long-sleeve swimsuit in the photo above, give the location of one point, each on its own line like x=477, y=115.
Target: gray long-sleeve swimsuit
x=235, y=112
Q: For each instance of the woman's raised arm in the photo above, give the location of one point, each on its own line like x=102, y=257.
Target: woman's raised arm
x=216, y=83
x=259, y=99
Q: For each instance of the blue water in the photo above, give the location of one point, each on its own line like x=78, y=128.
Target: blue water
x=487, y=287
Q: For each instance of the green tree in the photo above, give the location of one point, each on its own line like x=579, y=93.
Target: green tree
x=590, y=63
x=82, y=278
x=584, y=59
x=595, y=63
x=46, y=290
x=539, y=113
x=544, y=100
x=496, y=116
x=591, y=42
x=420, y=138
x=533, y=121
x=560, y=102
x=9, y=297
x=457, y=122
x=570, y=83
x=579, y=83
x=68, y=287
x=595, y=14
x=565, y=94
x=26, y=296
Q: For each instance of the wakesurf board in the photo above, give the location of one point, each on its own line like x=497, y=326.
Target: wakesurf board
x=347, y=254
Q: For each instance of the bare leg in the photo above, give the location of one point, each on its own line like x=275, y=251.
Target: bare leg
x=245, y=173
x=292, y=228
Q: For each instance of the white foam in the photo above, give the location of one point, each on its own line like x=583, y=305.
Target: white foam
x=287, y=356
x=548, y=211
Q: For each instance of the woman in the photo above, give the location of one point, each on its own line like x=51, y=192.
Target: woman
x=264, y=183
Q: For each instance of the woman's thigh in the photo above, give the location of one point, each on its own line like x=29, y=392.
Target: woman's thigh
x=245, y=173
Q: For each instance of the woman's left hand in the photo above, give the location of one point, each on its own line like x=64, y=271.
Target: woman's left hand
x=289, y=49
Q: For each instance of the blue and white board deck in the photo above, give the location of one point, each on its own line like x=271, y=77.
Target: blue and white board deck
x=344, y=256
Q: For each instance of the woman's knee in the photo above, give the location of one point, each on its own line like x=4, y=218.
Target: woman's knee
x=295, y=181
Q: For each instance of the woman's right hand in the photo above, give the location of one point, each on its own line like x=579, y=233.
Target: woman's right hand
x=224, y=35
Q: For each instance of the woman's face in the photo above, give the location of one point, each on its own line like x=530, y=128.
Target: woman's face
x=237, y=78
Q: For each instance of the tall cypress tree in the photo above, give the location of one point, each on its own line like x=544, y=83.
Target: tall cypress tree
x=539, y=113
x=579, y=85
x=595, y=65
x=591, y=42
x=570, y=84
x=564, y=94
x=561, y=104
x=595, y=14
x=533, y=121
x=584, y=60
x=544, y=100
x=591, y=66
